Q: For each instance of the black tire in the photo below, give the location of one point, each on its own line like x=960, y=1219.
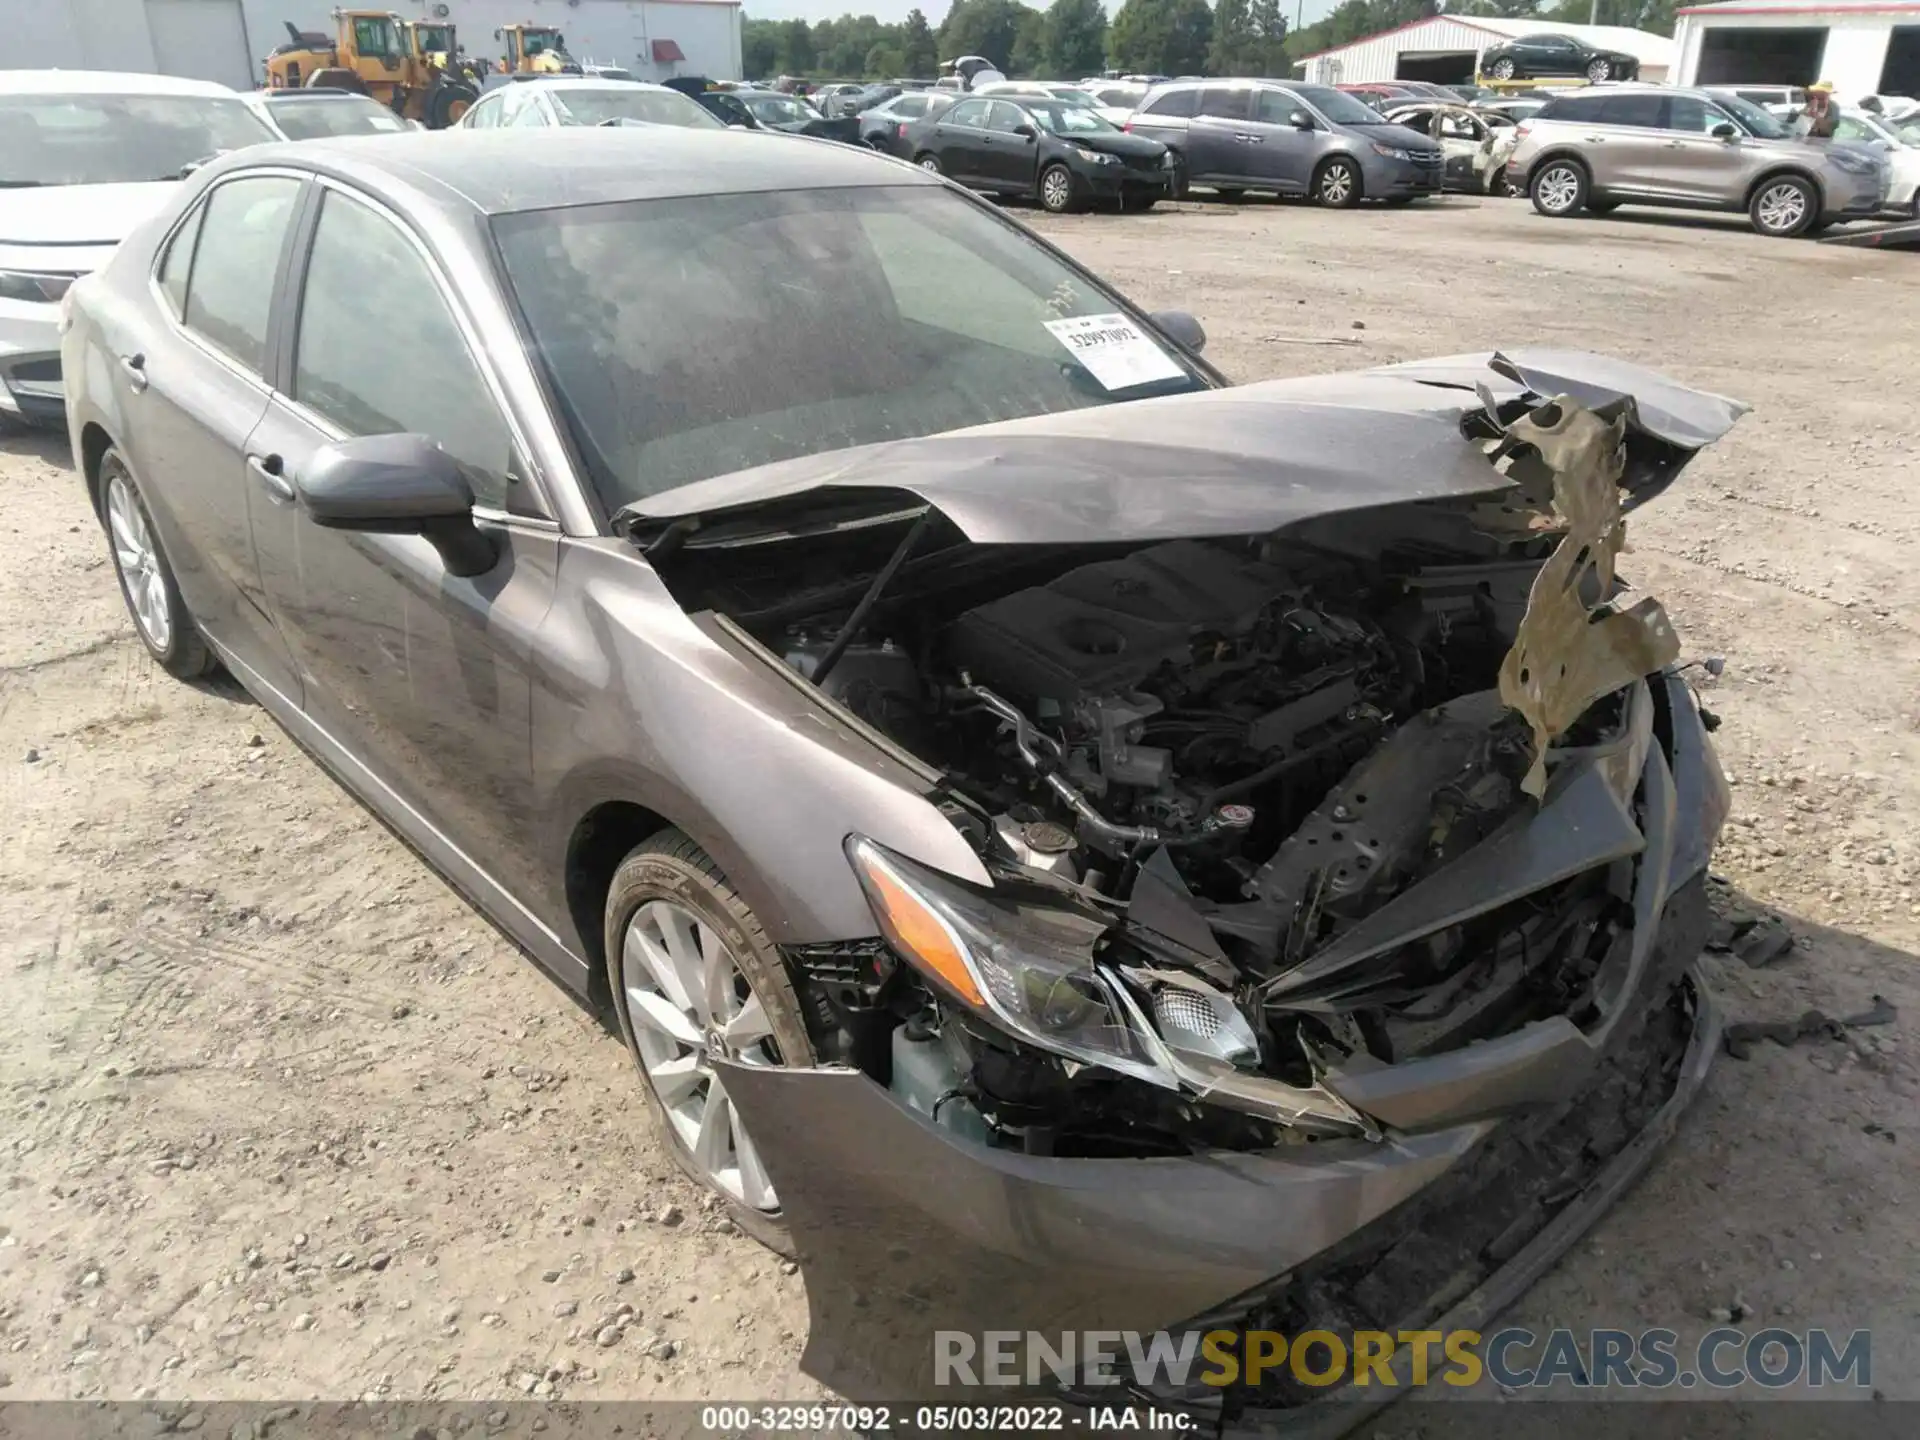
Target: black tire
x=926, y=160
x=1336, y=184
x=1503, y=68
x=670, y=867
x=336, y=77
x=1054, y=189
x=1559, y=188
x=447, y=102
x=182, y=651
x=1499, y=186
x=1786, y=216
x=1600, y=71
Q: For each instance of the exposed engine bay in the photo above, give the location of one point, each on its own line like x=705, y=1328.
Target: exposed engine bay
x=1215, y=768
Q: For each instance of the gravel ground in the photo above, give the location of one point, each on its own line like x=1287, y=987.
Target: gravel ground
x=281, y=1118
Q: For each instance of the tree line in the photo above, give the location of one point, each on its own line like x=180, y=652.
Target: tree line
x=1068, y=39
x=1073, y=38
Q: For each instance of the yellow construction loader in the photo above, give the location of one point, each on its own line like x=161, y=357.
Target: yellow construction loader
x=410, y=68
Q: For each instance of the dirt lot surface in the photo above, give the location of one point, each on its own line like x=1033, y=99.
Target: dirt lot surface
x=281, y=1118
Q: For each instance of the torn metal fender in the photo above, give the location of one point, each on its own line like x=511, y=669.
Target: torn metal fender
x=1661, y=407
x=1576, y=643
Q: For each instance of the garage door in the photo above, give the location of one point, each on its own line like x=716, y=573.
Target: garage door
x=201, y=40
x=1761, y=57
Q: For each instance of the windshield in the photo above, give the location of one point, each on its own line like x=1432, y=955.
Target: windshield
x=779, y=109
x=1063, y=118
x=435, y=39
x=653, y=107
x=312, y=119
x=114, y=139
x=1336, y=106
x=1908, y=128
x=1752, y=118
x=682, y=336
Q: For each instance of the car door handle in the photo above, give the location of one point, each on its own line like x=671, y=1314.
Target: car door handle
x=269, y=470
x=1248, y=139
x=1676, y=144
x=135, y=369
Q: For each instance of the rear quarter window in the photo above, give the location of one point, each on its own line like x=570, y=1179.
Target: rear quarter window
x=1175, y=103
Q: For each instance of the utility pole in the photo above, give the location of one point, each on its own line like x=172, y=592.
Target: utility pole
x=1593, y=13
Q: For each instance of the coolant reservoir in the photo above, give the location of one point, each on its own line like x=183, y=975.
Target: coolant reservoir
x=923, y=1072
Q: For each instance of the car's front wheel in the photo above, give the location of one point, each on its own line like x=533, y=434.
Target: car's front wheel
x=928, y=162
x=1336, y=184
x=694, y=978
x=1784, y=206
x=1503, y=68
x=147, y=585
x=1559, y=188
x=1599, y=70
x=1056, y=189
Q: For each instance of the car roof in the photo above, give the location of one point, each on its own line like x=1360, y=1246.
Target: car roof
x=317, y=92
x=103, y=82
x=498, y=172
x=593, y=82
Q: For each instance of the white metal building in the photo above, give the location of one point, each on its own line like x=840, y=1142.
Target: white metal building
x=1447, y=49
x=226, y=40
x=1864, y=47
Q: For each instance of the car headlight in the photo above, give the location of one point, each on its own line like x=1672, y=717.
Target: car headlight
x=33, y=286
x=1095, y=157
x=1026, y=967
x=1391, y=152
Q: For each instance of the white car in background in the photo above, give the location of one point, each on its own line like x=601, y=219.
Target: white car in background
x=313, y=114
x=1898, y=144
x=86, y=156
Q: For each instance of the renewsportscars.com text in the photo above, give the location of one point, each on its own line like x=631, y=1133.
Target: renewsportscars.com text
x=1517, y=1358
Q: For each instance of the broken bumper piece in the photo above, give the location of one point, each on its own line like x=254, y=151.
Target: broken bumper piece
x=1493, y=1159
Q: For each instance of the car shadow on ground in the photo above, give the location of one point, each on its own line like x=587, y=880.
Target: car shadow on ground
x=39, y=444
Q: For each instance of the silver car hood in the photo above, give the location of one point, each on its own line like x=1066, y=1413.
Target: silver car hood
x=1240, y=460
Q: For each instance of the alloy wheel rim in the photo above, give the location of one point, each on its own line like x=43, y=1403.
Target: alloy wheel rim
x=927, y=162
x=138, y=561
x=1558, y=187
x=1057, y=189
x=1599, y=70
x=688, y=1003
x=1336, y=184
x=1503, y=70
x=1782, y=207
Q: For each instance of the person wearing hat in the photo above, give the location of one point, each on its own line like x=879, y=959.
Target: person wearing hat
x=1817, y=120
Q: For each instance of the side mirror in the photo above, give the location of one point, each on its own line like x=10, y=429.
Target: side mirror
x=1025, y=132
x=1725, y=131
x=397, y=485
x=1300, y=120
x=1181, y=328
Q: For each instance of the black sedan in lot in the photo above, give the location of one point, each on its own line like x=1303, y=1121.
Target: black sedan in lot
x=773, y=111
x=1059, y=154
x=1532, y=56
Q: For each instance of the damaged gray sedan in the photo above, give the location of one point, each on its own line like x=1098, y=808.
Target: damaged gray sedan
x=1070, y=843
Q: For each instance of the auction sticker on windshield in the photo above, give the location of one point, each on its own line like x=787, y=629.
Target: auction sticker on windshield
x=1115, y=351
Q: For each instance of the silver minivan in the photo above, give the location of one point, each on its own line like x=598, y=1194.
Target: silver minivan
x=1291, y=139
x=1690, y=149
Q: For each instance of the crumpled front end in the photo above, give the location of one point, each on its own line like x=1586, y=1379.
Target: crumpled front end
x=1334, y=972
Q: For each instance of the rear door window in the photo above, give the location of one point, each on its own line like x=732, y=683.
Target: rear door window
x=970, y=114
x=1222, y=102
x=1575, y=108
x=1645, y=112
x=229, y=292
x=1175, y=103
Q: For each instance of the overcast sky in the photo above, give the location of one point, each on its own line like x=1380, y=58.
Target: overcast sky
x=936, y=10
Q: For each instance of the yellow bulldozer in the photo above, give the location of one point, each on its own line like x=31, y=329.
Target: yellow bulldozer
x=536, y=50
x=411, y=68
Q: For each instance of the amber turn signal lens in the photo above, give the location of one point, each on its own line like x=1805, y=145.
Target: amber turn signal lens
x=923, y=935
